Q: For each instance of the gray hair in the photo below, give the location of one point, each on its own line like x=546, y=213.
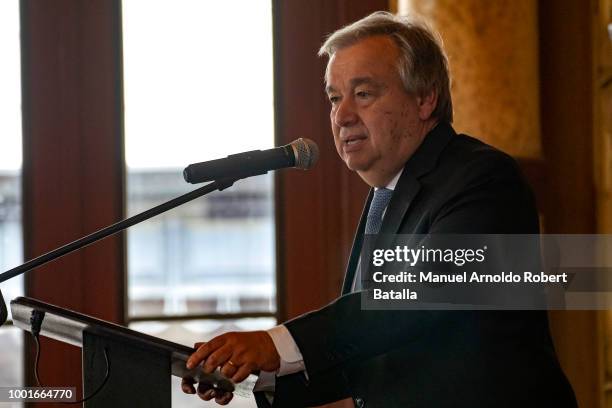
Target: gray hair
x=422, y=65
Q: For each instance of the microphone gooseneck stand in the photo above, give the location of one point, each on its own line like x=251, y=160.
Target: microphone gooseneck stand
x=3, y=310
x=220, y=184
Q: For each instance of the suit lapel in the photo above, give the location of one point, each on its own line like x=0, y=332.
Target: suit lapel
x=403, y=196
x=423, y=161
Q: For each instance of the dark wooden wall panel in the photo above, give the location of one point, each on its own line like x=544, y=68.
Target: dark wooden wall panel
x=318, y=210
x=567, y=114
x=569, y=195
x=73, y=154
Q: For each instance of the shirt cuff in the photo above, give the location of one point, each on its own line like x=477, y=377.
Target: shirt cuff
x=291, y=360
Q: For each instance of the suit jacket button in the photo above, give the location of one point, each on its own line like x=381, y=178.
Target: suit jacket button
x=359, y=402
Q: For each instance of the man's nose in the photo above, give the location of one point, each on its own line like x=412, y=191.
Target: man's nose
x=345, y=114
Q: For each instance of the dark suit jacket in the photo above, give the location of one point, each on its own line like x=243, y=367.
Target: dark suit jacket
x=452, y=184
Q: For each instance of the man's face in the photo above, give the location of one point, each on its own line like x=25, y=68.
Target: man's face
x=376, y=124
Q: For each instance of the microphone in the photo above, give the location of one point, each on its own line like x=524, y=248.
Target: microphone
x=301, y=154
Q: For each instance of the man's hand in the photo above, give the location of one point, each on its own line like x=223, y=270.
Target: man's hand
x=238, y=354
x=206, y=392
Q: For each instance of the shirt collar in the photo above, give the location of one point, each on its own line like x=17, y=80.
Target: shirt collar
x=393, y=182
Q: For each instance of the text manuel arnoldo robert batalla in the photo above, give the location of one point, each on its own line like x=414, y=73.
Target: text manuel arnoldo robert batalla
x=415, y=258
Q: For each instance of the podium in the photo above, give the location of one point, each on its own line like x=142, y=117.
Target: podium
x=139, y=366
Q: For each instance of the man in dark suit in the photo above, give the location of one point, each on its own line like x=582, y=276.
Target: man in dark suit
x=388, y=84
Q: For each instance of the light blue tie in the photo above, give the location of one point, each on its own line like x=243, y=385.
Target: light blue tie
x=379, y=203
x=381, y=199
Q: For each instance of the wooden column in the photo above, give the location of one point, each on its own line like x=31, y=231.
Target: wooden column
x=567, y=129
x=73, y=163
x=603, y=160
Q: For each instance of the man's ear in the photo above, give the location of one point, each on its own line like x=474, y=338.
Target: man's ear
x=427, y=104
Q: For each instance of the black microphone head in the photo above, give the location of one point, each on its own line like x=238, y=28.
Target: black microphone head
x=306, y=153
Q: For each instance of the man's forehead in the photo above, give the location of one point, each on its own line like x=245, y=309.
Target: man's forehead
x=375, y=48
x=367, y=58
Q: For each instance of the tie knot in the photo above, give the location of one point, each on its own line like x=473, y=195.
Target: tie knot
x=381, y=199
x=382, y=196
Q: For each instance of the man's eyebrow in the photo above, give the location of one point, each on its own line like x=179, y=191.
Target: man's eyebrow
x=329, y=89
x=355, y=82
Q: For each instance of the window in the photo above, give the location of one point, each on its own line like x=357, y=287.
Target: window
x=198, y=86
x=11, y=370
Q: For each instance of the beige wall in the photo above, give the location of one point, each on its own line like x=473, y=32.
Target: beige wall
x=493, y=52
